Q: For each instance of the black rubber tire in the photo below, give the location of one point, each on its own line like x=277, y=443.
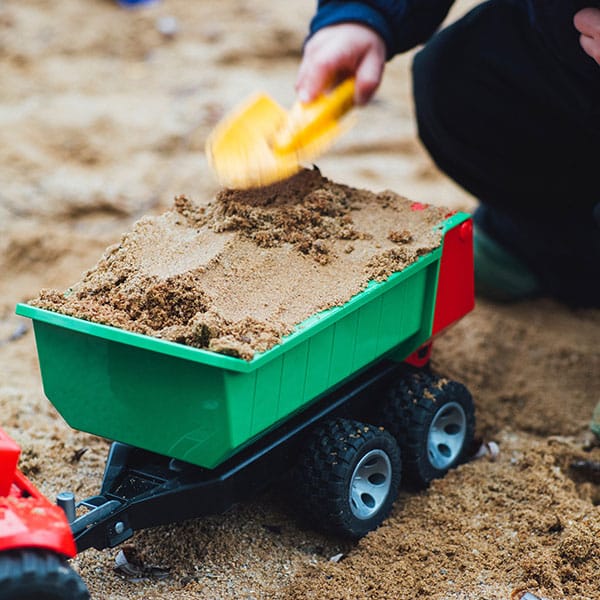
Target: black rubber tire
x=28, y=574
x=415, y=401
x=335, y=454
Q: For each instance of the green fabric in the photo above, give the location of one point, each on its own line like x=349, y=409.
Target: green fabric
x=498, y=274
x=595, y=424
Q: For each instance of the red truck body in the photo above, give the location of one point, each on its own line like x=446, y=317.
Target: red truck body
x=27, y=518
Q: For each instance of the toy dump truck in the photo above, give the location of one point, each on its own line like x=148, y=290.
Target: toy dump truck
x=35, y=538
x=344, y=401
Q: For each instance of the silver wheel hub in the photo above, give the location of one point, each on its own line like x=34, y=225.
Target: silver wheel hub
x=446, y=435
x=370, y=484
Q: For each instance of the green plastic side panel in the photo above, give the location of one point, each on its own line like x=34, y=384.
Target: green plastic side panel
x=153, y=401
x=201, y=407
x=295, y=379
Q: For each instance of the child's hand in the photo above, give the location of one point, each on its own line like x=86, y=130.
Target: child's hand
x=587, y=22
x=337, y=52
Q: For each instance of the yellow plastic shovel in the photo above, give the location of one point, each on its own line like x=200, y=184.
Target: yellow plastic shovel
x=260, y=143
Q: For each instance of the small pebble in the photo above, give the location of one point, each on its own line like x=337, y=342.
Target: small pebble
x=167, y=26
x=491, y=450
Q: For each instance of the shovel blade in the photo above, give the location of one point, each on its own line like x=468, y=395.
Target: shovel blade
x=260, y=143
x=240, y=148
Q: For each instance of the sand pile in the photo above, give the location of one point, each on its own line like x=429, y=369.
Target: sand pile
x=237, y=275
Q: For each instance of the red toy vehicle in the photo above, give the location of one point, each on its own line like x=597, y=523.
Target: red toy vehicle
x=35, y=538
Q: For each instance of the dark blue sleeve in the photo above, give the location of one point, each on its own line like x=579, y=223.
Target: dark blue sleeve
x=403, y=24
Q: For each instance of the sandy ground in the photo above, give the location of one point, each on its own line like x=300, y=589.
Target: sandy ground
x=103, y=119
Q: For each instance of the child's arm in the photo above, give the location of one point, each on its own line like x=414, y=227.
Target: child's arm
x=356, y=37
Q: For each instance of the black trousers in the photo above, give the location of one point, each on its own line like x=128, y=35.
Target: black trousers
x=520, y=130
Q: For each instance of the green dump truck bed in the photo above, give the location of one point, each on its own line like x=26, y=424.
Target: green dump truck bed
x=203, y=407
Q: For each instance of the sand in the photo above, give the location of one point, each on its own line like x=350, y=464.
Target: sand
x=104, y=120
x=239, y=274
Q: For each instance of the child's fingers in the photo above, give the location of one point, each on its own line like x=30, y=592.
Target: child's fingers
x=368, y=74
x=313, y=79
x=319, y=65
x=587, y=22
x=591, y=46
x=336, y=52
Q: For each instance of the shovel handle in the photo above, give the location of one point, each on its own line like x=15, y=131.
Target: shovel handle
x=307, y=121
x=337, y=102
